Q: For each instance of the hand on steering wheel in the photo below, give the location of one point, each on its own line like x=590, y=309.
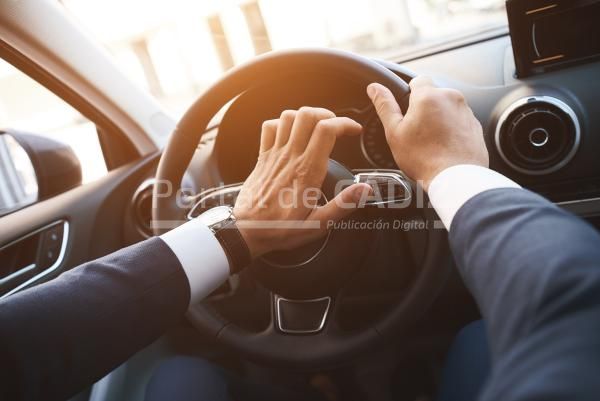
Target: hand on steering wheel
x=309, y=281
x=438, y=131
x=277, y=207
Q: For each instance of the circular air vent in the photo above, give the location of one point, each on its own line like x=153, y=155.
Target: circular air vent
x=538, y=135
x=141, y=204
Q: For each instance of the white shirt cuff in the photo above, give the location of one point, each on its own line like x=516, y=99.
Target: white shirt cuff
x=454, y=186
x=201, y=256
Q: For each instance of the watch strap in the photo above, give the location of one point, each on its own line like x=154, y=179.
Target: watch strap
x=235, y=246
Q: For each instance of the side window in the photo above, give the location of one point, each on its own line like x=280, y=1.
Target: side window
x=46, y=146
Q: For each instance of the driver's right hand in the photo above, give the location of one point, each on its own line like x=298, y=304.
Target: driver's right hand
x=438, y=131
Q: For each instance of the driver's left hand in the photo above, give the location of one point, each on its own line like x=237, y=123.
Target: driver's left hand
x=277, y=207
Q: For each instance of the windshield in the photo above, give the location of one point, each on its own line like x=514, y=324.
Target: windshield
x=176, y=48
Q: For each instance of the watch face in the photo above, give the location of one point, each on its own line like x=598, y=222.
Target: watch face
x=215, y=215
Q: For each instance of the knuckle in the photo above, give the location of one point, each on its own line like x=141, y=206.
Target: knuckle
x=285, y=154
x=325, y=127
x=380, y=106
x=428, y=97
x=303, y=169
x=454, y=95
x=263, y=156
x=421, y=81
x=306, y=112
x=269, y=124
x=287, y=115
x=325, y=113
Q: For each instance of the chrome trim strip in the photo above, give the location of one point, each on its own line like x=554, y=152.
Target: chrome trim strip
x=396, y=176
x=55, y=266
x=22, y=238
x=17, y=273
x=540, y=9
x=552, y=58
x=582, y=207
x=578, y=201
x=545, y=99
x=279, y=299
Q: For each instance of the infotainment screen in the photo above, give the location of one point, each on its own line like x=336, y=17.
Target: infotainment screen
x=552, y=34
x=573, y=33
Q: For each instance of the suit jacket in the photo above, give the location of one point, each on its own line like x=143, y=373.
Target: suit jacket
x=60, y=337
x=533, y=269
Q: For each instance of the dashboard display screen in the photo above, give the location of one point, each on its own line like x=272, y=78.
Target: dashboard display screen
x=569, y=34
x=548, y=35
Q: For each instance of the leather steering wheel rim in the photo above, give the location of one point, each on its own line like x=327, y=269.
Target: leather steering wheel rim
x=329, y=347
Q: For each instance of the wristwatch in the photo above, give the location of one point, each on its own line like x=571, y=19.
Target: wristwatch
x=222, y=223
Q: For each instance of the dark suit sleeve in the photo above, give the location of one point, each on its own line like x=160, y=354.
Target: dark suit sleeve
x=534, y=270
x=59, y=337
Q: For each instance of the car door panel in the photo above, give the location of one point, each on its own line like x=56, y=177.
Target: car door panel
x=81, y=224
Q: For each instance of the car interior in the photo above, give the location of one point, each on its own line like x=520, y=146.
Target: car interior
x=372, y=309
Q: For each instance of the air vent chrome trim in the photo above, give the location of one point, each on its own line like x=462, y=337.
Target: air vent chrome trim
x=539, y=99
x=141, y=193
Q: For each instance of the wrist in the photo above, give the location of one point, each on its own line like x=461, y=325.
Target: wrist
x=223, y=223
x=455, y=185
x=249, y=236
x=426, y=183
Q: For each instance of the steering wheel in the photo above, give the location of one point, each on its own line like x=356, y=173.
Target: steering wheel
x=306, y=282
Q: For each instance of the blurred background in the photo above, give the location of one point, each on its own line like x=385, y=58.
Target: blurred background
x=176, y=48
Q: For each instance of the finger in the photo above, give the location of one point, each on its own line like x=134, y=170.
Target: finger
x=421, y=82
x=286, y=120
x=342, y=205
x=267, y=135
x=386, y=106
x=304, y=125
x=325, y=135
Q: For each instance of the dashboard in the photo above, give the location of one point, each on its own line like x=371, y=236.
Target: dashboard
x=541, y=131
x=514, y=114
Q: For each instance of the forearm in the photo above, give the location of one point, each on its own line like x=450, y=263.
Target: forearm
x=63, y=335
x=534, y=270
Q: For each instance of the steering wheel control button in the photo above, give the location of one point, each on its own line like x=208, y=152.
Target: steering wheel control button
x=538, y=135
x=306, y=316
x=389, y=187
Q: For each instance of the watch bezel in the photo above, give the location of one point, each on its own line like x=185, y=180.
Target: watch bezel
x=216, y=217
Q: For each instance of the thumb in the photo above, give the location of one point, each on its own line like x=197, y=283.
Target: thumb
x=342, y=205
x=386, y=106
